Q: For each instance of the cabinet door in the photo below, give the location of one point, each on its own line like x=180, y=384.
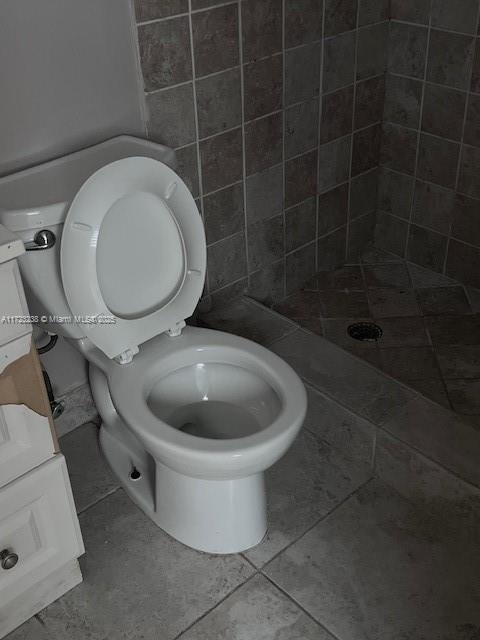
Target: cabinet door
x=14, y=328
x=25, y=441
x=39, y=525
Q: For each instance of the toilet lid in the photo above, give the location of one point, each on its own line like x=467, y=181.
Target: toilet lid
x=133, y=254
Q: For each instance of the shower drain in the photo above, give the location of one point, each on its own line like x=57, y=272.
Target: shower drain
x=365, y=331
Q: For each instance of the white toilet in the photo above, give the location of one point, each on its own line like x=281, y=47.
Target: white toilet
x=191, y=418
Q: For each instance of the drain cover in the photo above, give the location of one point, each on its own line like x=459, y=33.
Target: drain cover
x=365, y=331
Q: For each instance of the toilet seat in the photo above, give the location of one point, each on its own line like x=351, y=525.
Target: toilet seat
x=130, y=387
x=133, y=255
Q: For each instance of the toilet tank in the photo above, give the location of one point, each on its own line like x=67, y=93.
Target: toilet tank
x=39, y=198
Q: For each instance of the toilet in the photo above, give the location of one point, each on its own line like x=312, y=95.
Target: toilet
x=191, y=417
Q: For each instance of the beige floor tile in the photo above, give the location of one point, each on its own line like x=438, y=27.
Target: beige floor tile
x=383, y=566
x=89, y=472
x=311, y=479
x=256, y=611
x=138, y=582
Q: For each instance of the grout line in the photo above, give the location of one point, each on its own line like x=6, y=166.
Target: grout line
x=229, y=284
x=227, y=186
x=268, y=115
x=143, y=23
x=101, y=499
x=460, y=156
x=421, y=453
x=172, y=86
x=432, y=83
x=352, y=140
x=244, y=148
x=322, y=518
x=434, y=27
x=420, y=130
x=297, y=604
x=300, y=248
x=345, y=182
x=319, y=133
x=284, y=159
x=217, y=604
x=330, y=233
x=355, y=81
x=295, y=327
x=468, y=292
x=185, y=14
x=242, y=554
x=229, y=237
x=434, y=184
x=212, y=7
x=422, y=226
x=220, y=133
x=419, y=134
x=374, y=449
x=435, y=357
x=197, y=131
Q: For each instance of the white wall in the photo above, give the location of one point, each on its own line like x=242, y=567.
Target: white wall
x=69, y=77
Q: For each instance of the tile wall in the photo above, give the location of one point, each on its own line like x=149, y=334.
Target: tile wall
x=275, y=109
x=429, y=190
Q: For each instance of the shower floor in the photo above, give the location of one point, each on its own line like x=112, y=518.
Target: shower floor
x=374, y=511
x=430, y=324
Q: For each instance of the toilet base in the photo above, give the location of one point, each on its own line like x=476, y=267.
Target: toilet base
x=214, y=516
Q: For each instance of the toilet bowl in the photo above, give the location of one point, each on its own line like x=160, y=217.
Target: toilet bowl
x=191, y=417
x=213, y=411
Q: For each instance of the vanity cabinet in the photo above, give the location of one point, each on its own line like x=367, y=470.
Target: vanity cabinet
x=40, y=538
x=27, y=436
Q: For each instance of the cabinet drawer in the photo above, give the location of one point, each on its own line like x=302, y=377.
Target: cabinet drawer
x=25, y=441
x=39, y=524
x=13, y=306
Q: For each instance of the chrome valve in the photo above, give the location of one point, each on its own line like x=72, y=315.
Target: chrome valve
x=8, y=559
x=44, y=239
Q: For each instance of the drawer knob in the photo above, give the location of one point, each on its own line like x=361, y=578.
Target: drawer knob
x=8, y=559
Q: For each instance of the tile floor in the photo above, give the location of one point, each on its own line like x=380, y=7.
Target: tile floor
x=431, y=325
x=349, y=555
x=368, y=539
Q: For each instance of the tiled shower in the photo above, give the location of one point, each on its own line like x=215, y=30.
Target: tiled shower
x=311, y=131
x=429, y=207
x=307, y=130
x=285, y=173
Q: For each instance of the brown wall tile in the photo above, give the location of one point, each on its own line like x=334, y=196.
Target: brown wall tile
x=262, y=28
x=332, y=209
x=438, y=160
x=303, y=21
x=165, y=53
x=450, y=59
x=263, y=143
x=337, y=114
x=219, y=102
x=221, y=158
x=215, y=39
x=226, y=261
x=263, y=87
x=426, y=248
x=154, y=9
